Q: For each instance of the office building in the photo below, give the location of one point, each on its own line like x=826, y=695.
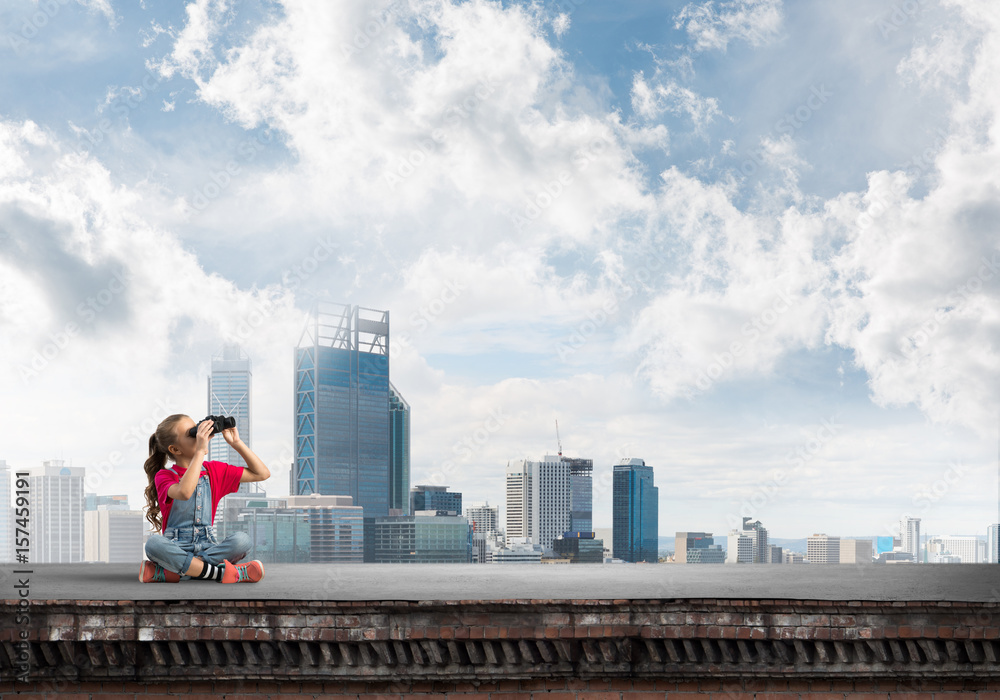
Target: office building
x=423, y=537
x=538, y=500
x=758, y=533
x=697, y=548
x=792, y=558
x=775, y=555
x=739, y=547
x=437, y=498
x=635, y=512
x=483, y=517
x=93, y=501
x=956, y=550
x=7, y=512
x=56, y=522
x=399, y=451
x=856, y=552
x=520, y=550
x=230, y=389
x=993, y=544
x=342, y=407
x=909, y=535
x=821, y=549
x=579, y=548
x=113, y=535
x=313, y=529
x=581, y=480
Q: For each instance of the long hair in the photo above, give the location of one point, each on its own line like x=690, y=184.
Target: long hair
x=163, y=438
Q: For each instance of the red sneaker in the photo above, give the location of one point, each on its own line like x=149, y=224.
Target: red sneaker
x=251, y=572
x=150, y=572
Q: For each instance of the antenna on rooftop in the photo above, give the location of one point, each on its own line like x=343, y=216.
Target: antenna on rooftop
x=557, y=438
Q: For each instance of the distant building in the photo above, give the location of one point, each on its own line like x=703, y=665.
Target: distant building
x=739, y=548
x=113, y=535
x=438, y=498
x=821, y=549
x=230, y=391
x=758, y=533
x=898, y=557
x=399, y=451
x=517, y=551
x=960, y=550
x=856, y=552
x=484, y=521
x=992, y=544
x=885, y=544
x=57, y=528
x=697, y=548
x=774, y=555
x=792, y=558
x=539, y=496
x=421, y=537
x=579, y=548
x=635, y=512
x=93, y=501
x=909, y=535
x=581, y=502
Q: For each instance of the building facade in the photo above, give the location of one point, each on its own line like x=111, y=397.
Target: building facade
x=539, y=496
x=56, y=520
x=635, y=512
x=909, y=536
x=230, y=391
x=822, y=549
x=581, y=480
x=113, y=535
x=438, y=498
x=856, y=552
x=579, y=548
x=419, y=538
x=399, y=451
x=697, y=548
x=739, y=548
x=342, y=407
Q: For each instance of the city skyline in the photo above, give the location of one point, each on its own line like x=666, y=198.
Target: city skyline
x=750, y=242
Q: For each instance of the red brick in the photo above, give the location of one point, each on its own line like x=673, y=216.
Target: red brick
x=598, y=695
x=643, y=695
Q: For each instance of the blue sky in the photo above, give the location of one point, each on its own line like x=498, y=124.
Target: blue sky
x=692, y=232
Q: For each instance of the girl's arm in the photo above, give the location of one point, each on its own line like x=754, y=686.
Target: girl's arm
x=184, y=489
x=256, y=469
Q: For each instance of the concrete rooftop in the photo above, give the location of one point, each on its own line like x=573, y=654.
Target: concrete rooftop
x=437, y=582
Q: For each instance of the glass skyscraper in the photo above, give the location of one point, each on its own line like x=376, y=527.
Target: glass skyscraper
x=229, y=394
x=581, y=494
x=635, y=516
x=399, y=451
x=342, y=407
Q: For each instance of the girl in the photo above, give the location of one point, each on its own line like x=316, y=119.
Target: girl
x=188, y=498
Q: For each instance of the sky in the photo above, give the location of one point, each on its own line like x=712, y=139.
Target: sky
x=754, y=243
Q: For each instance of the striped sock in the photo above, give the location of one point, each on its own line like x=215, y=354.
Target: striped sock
x=211, y=571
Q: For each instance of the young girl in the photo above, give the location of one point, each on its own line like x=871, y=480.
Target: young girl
x=188, y=497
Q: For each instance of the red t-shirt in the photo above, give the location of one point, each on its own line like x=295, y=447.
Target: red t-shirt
x=223, y=479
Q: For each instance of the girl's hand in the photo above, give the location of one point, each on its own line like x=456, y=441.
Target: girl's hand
x=202, y=437
x=231, y=436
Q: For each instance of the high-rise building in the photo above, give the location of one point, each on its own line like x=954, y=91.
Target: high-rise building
x=739, y=547
x=437, y=498
x=758, y=533
x=581, y=480
x=6, y=513
x=774, y=555
x=965, y=549
x=856, y=551
x=635, y=512
x=822, y=549
x=113, y=535
x=993, y=544
x=538, y=500
x=342, y=407
x=419, y=538
x=697, y=548
x=56, y=513
x=909, y=535
x=230, y=391
x=399, y=451
x=483, y=517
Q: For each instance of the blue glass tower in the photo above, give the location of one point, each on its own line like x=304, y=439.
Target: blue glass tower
x=342, y=422
x=635, y=512
x=399, y=451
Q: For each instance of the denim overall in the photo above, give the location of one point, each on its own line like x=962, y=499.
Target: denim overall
x=190, y=533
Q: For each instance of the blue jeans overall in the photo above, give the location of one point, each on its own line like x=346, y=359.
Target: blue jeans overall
x=190, y=533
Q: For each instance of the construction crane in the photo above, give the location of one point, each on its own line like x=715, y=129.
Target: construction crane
x=557, y=437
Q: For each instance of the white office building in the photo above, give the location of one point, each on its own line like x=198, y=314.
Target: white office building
x=909, y=536
x=56, y=527
x=739, y=548
x=114, y=536
x=539, y=497
x=992, y=544
x=856, y=552
x=229, y=394
x=954, y=550
x=519, y=550
x=821, y=549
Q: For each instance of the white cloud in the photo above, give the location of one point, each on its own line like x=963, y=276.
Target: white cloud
x=715, y=26
x=667, y=95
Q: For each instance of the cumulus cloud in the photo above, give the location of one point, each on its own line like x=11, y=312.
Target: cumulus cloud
x=713, y=26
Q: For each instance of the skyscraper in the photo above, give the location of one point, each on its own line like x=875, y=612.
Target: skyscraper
x=439, y=498
x=909, y=535
x=56, y=513
x=823, y=549
x=758, y=533
x=342, y=421
x=230, y=389
x=538, y=500
x=399, y=451
x=993, y=544
x=581, y=479
x=635, y=512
